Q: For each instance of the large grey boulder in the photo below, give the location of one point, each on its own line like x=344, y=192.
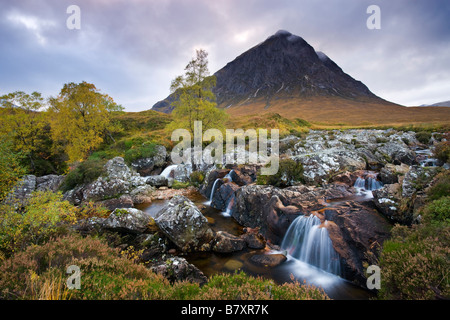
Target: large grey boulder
x=50, y=182
x=128, y=220
x=22, y=191
x=157, y=181
x=118, y=179
x=182, y=222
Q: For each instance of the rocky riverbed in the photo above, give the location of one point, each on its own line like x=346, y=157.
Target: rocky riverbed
x=358, y=183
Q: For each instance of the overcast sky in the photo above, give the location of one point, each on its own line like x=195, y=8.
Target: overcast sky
x=132, y=49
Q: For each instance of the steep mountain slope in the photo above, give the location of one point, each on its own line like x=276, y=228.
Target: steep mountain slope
x=285, y=75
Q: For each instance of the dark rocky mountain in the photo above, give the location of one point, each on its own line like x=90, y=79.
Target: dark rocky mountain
x=284, y=66
x=438, y=104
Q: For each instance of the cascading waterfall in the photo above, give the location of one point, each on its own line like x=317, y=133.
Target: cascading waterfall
x=212, y=190
x=228, y=176
x=307, y=241
x=228, y=211
x=168, y=170
x=369, y=183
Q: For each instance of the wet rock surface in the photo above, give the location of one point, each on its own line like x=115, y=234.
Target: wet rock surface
x=183, y=223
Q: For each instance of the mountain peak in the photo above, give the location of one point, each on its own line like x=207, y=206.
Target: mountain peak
x=287, y=35
x=281, y=68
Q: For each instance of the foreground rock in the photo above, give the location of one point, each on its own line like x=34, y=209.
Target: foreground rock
x=152, y=165
x=128, y=220
x=178, y=269
x=268, y=260
x=226, y=243
x=357, y=233
x=273, y=209
x=182, y=222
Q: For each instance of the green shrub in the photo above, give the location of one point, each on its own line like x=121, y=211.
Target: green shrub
x=179, y=184
x=289, y=173
x=45, y=215
x=85, y=172
x=415, y=263
x=438, y=211
x=423, y=137
x=240, y=286
x=196, y=178
x=146, y=150
x=441, y=186
x=442, y=150
x=10, y=168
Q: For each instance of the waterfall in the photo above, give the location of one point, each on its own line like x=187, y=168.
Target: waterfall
x=307, y=241
x=212, y=190
x=228, y=211
x=168, y=170
x=228, y=176
x=360, y=183
x=368, y=184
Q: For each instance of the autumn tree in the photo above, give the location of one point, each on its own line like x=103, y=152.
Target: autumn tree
x=24, y=122
x=11, y=169
x=81, y=119
x=195, y=99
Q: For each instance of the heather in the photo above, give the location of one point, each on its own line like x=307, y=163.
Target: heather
x=39, y=272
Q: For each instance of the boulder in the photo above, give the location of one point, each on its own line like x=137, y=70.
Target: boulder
x=50, y=182
x=124, y=201
x=357, y=233
x=22, y=191
x=118, y=179
x=183, y=223
x=212, y=177
x=397, y=152
x=272, y=209
x=178, y=269
x=387, y=200
x=268, y=260
x=157, y=181
x=226, y=243
x=253, y=239
x=129, y=220
x=417, y=178
x=152, y=165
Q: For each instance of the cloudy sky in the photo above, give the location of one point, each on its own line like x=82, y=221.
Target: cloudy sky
x=132, y=49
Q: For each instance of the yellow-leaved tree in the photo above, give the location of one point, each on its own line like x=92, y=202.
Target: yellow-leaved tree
x=81, y=119
x=23, y=121
x=196, y=101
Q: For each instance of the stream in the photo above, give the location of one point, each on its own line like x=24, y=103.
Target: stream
x=211, y=263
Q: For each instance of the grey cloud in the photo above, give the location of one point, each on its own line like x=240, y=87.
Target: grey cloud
x=132, y=49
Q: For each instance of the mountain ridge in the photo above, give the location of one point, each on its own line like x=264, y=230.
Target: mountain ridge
x=285, y=75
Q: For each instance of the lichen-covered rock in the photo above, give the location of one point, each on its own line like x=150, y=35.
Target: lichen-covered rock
x=50, y=182
x=152, y=165
x=387, y=200
x=22, y=191
x=178, y=269
x=118, y=179
x=157, y=181
x=182, y=222
x=128, y=220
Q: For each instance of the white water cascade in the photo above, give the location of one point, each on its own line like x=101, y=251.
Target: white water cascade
x=168, y=170
x=369, y=183
x=306, y=240
x=228, y=211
